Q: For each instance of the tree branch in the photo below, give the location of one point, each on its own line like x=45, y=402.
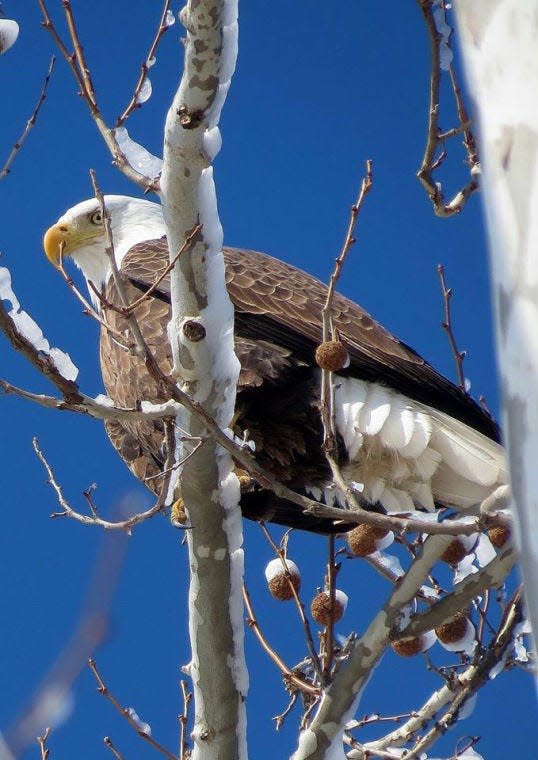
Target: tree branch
x=340, y=700
x=29, y=124
x=209, y=372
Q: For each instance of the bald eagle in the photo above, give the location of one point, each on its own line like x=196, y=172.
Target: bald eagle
x=408, y=438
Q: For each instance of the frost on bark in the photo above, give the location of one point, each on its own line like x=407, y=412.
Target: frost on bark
x=208, y=370
x=499, y=40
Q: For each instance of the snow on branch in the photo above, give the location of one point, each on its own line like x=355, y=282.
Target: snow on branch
x=435, y=151
x=132, y=159
x=19, y=326
x=323, y=738
x=9, y=31
x=499, y=41
x=204, y=360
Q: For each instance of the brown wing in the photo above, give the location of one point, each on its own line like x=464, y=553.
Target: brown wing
x=278, y=326
x=280, y=304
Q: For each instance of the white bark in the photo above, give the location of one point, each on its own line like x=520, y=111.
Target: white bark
x=500, y=45
x=322, y=740
x=208, y=370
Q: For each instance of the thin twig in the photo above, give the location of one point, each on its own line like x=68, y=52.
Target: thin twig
x=83, y=68
x=280, y=718
x=480, y=674
x=125, y=311
x=458, y=355
x=329, y=333
x=330, y=586
x=140, y=346
x=349, y=241
x=287, y=672
x=88, y=308
x=125, y=713
x=77, y=64
x=435, y=140
x=462, y=594
x=42, y=741
x=93, y=519
x=186, y=245
x=144, y=68
x=300, y=607
x=183, y=720
x=109, y=745
x=30, y=123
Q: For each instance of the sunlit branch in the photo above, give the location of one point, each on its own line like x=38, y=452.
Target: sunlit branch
x=144, y=68
x=81, y=72
x=4, y=171
x=434, y=152
x=103, y=689
x=287, y=672
x=458, y=355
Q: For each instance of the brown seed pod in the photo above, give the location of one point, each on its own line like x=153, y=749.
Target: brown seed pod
x=454, y=629
x=499, y=535
x=454, y=552
x=362, y=539
x=280, y=582
x=321, y=607
x=332, y=355
x=409, y=646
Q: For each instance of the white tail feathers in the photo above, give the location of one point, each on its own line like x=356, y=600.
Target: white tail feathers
x=407, y=455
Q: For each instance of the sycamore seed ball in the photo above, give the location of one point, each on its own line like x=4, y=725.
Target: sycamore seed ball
x=321, y=607
x=499, y=535
x=278, y=580
x=332, y=355
x=454, y=629
x=454, y=552
x=409, y=646
x=363, y=539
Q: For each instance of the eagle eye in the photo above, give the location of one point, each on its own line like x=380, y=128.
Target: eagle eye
x=96, y=217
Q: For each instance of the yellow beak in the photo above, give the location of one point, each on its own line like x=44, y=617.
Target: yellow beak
x=56, y=240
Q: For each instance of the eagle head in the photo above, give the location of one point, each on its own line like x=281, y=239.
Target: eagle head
x=80, y=233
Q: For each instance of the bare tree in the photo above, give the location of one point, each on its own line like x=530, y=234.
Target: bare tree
x=502, y=37
x=445, y=576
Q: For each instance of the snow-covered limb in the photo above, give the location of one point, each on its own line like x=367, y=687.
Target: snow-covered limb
x=137, y=155
x=209, y=371
x=465, y=686
x=9, y=31
x=26, y=336
x=323, y=738
x=490, y=576
x=499, y=41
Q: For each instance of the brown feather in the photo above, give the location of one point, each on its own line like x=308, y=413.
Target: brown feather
x=278, y=313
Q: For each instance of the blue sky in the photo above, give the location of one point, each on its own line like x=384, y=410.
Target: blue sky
x=320, y=87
